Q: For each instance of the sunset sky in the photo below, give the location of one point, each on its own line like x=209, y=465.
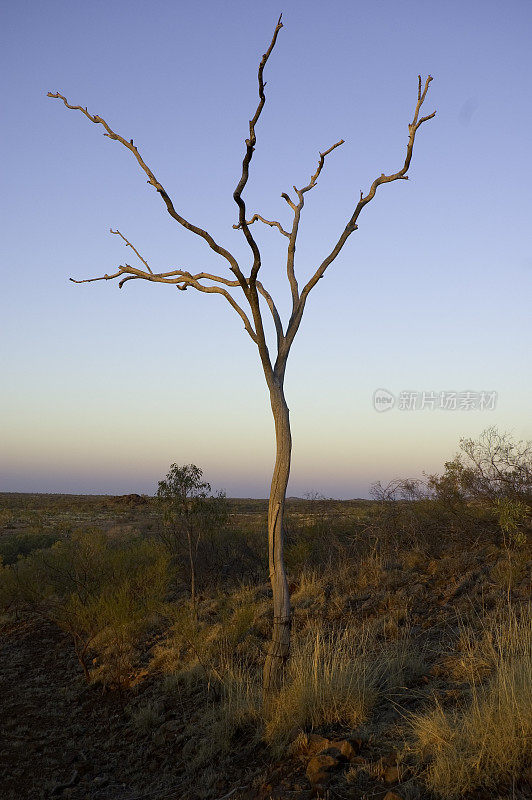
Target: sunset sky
x=102, y=389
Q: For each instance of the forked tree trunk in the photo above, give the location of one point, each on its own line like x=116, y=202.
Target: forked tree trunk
x=280, y=644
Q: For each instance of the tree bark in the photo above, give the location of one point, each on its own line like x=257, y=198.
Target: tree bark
x=280, y=644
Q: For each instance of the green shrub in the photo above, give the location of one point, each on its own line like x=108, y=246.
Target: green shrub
x=512, y=516
x=6, y=517
x=14, y=545
x=103, y=593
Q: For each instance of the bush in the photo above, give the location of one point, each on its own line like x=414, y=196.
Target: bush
x=487, y=470
x=512, y=518
x=15, y=545
x=411, y=511
x=103, y=593
x=487, y=486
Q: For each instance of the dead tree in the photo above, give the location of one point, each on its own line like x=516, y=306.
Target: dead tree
x=255, y=295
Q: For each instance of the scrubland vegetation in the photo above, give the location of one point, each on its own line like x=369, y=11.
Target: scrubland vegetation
x=133, y=633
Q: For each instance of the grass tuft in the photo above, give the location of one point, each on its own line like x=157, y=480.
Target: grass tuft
x=488, y=742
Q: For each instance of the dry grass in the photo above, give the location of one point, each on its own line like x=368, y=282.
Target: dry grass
x=310, y=592
x=332, y=678
x=489, y=741
x=146, y=717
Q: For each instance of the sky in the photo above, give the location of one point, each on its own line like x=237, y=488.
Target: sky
x=102, y=389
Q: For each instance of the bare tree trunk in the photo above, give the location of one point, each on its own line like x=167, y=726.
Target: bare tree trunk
x=280, y=644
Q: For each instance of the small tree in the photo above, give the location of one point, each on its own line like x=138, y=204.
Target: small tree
x=255, y=295
x=189, y=511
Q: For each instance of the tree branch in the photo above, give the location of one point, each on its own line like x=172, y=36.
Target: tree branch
x=290, y=269
x=182, y=280
x=230, y=299
x=250, y=146
x=128, y=244
x=102, y=278
x=181, y=276
x=290, y=202
x=321, y=162
x=364, y=200
x=256, y=217
x=275, y=314
x=260, y=288
x=152, y=180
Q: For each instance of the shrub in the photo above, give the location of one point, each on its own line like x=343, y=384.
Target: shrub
x=487, y=486
x=15, y=545
x=146, y=717
x=512, y=517
x=488, y=470
x=101, y=592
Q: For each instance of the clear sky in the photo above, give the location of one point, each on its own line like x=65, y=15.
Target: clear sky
x=103, y=389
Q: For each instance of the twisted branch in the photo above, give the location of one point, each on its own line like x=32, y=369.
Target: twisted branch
x=321, y=162
x=290, y=269
x=182, y=280
x=256, y=217
x=250, y=146
x=152, y=180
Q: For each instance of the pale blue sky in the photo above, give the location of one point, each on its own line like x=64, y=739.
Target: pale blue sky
x=102, y=389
